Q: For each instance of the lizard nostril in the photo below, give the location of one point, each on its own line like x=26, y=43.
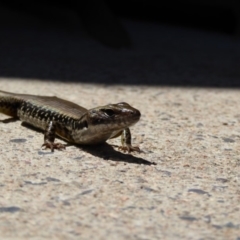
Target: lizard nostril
x=137, y=113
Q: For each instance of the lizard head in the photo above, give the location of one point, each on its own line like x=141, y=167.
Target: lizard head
x=101, y=123
x=113, y=116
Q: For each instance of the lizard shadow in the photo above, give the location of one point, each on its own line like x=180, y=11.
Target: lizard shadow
x=9, y=120
x=104, y=151
x=107, y=152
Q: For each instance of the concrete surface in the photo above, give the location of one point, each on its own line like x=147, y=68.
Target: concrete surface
x=191, y=134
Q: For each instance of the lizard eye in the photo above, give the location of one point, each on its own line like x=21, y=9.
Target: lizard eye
x=109, y=112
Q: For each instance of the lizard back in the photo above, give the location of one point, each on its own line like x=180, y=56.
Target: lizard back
x=10, y=102
x=38, y=111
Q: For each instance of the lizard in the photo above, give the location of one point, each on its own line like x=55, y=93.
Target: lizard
x=71, y=122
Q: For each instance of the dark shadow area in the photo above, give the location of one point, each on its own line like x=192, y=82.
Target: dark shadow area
x=218, y=16
x=92, y=18
x=107, y=152
x=183, y=44
x=9, y=120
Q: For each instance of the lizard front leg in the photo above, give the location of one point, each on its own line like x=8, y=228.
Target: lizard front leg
x=49, y=137
x=126, y=140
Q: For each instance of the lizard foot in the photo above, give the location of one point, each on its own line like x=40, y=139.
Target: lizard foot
x=129, y=148
x=52, y=146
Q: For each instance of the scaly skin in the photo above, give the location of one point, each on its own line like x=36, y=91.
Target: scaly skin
x=70, y=121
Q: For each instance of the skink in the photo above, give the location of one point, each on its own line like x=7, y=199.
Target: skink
x=70, y=121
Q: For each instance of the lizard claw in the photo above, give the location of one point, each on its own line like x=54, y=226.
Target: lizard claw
x=129, y=148
x=52, y=146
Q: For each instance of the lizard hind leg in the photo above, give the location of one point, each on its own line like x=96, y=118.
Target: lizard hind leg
x=49, y=137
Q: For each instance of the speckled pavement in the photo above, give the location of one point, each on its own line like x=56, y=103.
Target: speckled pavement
x=184, y=185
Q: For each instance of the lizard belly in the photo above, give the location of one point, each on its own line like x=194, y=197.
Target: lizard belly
x=87, y=137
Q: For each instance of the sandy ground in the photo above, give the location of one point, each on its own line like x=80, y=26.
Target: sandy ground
x=184, y=185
